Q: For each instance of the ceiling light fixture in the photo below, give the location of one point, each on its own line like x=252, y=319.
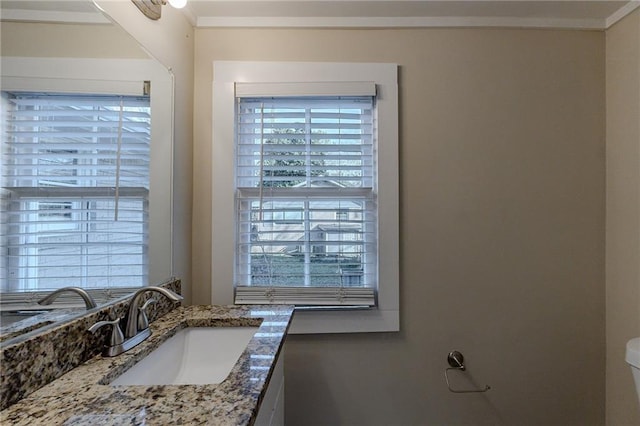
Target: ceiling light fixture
x=178, y=4
x=152, y=9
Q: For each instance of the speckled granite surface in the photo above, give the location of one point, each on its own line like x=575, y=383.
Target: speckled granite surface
x=31, y=360
x=84, y=397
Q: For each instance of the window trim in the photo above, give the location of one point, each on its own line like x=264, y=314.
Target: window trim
x=115, y=76
x=226, y=73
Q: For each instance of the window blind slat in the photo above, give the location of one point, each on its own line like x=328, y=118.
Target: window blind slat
x=105, y=156
x=249, y=148
x=82, y=146
x=88, y=122
x=18, y=134
x=102, y=114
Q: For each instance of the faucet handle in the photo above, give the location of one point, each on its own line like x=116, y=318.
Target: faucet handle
x=143, y=319
x=116, y=333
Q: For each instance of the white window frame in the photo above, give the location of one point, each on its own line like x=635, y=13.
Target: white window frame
x=115, y=76
x=384, y=317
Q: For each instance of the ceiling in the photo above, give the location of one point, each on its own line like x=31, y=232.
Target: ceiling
x=571, y=14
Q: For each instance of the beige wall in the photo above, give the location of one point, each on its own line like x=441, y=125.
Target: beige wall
x=502, y=166
x=623, y=214
x=68, y=41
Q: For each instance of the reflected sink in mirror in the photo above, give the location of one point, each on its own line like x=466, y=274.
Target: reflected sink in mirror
x=11, y=317
x=17, y=322
x=193, y=356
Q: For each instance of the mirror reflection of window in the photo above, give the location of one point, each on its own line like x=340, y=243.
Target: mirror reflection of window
x=75, y=186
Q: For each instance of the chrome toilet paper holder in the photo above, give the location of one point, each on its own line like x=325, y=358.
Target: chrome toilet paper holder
x=456, y=362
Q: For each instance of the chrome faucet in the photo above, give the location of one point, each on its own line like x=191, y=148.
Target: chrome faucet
x=137, y=320
x=137, y=326
x=88, y=300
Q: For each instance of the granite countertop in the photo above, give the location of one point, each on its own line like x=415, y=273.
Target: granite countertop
x=84, y=397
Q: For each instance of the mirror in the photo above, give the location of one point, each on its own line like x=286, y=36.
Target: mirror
x=70, y=47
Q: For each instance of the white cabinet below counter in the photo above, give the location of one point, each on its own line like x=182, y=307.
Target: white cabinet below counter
x=271, y=412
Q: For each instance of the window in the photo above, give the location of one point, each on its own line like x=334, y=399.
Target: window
x=305, y=191
x=75, y=185
x=306, y=216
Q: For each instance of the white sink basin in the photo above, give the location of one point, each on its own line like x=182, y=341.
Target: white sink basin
x=194, y=356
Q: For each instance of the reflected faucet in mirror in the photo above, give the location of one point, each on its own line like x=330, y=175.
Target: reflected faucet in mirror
x=88, y=300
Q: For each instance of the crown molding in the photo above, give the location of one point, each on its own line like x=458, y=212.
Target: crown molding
x=397, y=22
x=621, y=13
x=247, y=21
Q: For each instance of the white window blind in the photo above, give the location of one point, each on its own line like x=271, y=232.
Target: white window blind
x=306, y=225
x=75, y=177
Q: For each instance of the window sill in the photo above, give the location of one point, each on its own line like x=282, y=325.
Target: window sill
x=306, y=321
